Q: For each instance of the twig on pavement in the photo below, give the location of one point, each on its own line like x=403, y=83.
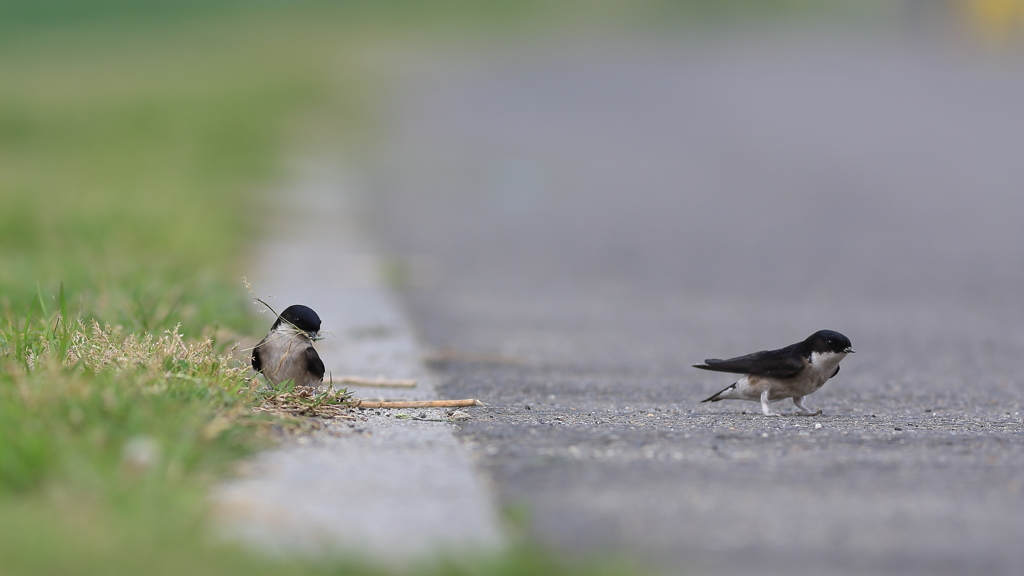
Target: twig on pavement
x=418, y=403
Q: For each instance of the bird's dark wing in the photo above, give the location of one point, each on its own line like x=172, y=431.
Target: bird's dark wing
x=834, y=373
x=313, y=363
x=782, y=363
x=257, y=363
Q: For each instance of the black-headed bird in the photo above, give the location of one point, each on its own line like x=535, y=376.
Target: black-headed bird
x=791, y=372
x=287, y=352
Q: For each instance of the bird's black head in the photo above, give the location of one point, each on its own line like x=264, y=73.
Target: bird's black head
x=302, y=317
x=830, y=341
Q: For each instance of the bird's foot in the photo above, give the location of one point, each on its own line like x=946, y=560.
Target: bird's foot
x=808, y=413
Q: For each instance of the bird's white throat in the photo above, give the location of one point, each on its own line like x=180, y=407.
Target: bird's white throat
x=826, y=361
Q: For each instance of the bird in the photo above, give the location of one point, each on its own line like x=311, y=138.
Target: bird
x=287, y=352
x=791, y=372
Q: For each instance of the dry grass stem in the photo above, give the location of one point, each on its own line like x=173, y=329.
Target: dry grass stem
x=307, y=402
x=106, y=347
x=257, y=298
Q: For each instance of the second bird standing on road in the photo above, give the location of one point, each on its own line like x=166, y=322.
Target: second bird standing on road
x=791, y=372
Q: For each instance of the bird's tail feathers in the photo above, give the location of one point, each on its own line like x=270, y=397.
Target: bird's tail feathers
x=717, y=396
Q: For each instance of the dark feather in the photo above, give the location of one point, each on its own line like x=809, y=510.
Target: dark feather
x=314, y=363
x=257, y=363
x=715, y=397
x=782, y=363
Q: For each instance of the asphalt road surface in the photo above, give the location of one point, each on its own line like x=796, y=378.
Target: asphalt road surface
x=575, y=224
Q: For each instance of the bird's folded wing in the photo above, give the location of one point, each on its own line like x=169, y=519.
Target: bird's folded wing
x=257, y=362
x=313, y=363
x=772, y=363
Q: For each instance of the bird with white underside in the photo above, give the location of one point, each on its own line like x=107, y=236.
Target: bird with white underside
x=287, y=352
x=791, y=372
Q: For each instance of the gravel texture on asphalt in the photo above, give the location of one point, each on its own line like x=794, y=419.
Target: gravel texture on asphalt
x=580, y=222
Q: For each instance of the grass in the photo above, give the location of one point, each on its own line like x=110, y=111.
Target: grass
x=132, y=159
x=108, y=442
x=137, y=139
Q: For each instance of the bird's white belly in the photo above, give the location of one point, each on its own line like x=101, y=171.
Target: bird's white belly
x=284, y=358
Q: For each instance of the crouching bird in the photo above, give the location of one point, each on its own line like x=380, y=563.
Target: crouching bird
x=287, y=352
x=791, y=372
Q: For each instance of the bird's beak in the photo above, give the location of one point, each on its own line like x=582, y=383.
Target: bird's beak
x=314, y=336
x=848, y=351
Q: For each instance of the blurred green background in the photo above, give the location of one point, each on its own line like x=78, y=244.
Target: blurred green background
x=132, y=151
x=136, y=137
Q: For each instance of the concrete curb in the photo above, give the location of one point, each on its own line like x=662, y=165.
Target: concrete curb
x=378, y=488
